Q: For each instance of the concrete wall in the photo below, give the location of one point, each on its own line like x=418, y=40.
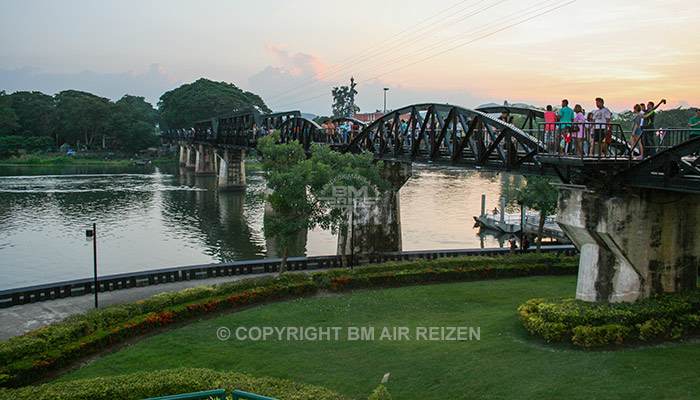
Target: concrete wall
x=632, y=244
x=232, y=170
x=375, y=225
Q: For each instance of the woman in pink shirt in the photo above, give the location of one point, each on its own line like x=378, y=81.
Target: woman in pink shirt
x=579, y=128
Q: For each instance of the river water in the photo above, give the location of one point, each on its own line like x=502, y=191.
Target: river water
x=159, y=217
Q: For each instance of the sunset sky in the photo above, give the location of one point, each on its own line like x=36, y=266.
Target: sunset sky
x=292, y=52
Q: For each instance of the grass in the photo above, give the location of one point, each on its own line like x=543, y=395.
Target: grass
x=506, y=363
x=76, y=160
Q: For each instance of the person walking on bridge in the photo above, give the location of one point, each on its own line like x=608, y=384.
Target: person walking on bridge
x=579, y=128
x=637, y=130
x=648, y=129
x=330, y=129
x=565, y=116
x=602, y=134
x=695, y=123
x=549, y=129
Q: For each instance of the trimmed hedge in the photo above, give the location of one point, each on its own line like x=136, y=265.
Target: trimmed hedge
x=446, y=270
x=143, y=385
x=36, y=354
x=667, y=316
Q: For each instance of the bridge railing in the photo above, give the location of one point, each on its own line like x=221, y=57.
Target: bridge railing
x=583, y=139
x=656, y=140
x=219, y=394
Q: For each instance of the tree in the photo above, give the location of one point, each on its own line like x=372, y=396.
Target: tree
x=204, y=99
x=8, y=118
x=625, y=119
x=341, y=181
x=675, y=118
x=302, y=197
x=80, y=117
x=34, y=111
x=342, y=101
x=132, y=124
x=144, y=109
x=540, y=195
x=321, y=119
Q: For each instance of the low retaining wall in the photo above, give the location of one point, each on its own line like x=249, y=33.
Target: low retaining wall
x=80, y=287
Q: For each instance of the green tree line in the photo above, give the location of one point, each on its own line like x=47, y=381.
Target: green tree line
x=36, y=121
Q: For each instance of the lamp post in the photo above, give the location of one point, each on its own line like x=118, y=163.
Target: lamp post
x=352, y=97
x=385, y=90
x=92, y=234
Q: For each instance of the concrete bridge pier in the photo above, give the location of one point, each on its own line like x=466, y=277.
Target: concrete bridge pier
x=634, y=244
x=183, y=154
x=191, y=158
x=231, y=169
x=375, y=225
x=205, y=162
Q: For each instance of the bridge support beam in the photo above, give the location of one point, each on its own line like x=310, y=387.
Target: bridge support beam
x=183, y=154
x=232, y=169
x=191, y=160
x=375, y=227
x=632, y=245
x=205, y=164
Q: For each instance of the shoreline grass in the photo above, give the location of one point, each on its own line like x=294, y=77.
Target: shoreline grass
x=60, y=161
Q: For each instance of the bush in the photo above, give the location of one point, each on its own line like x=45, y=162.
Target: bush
x=13, y=144
x=598, y=336
x=142, y=385
x=444, y=270
x=380, y=393
x=668, y=316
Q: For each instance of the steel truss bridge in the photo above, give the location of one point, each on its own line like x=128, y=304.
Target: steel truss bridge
x=456, y=136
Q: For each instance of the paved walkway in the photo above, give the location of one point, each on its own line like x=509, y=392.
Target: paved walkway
x=24, y=318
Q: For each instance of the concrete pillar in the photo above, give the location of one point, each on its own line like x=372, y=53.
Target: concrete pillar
x=183, y=155
x=232, y=169
x=191, y=161
x=205, y=163
x=375, y=225
x=634, y=244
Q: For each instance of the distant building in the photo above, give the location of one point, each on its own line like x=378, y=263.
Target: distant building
x=369, y=117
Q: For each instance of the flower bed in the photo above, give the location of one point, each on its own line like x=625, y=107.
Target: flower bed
x=54, y=348
x=668, y=316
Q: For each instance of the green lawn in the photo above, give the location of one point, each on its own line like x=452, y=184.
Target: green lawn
x=507, y=363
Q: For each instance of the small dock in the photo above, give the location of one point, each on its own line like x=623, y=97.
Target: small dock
x=500, y=221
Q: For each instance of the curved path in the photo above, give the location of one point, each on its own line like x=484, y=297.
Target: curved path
x=25, y=318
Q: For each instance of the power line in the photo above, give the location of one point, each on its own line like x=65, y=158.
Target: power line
x=366, y=55
x=321, y=85
x=472, y=41
x=508, y=26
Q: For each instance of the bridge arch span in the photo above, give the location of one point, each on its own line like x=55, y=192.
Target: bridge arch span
x=301, y=129
x=449, y=134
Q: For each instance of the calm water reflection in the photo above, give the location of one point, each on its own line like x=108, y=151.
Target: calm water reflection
x=150, y=217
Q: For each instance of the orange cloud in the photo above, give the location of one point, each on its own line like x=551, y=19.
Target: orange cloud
x=301, y=63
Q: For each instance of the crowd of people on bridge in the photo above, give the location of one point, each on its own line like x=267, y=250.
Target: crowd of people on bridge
x=343, y=132
x=569, y=131
x=572, y=131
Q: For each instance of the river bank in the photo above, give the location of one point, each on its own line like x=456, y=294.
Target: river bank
x=63, y=160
